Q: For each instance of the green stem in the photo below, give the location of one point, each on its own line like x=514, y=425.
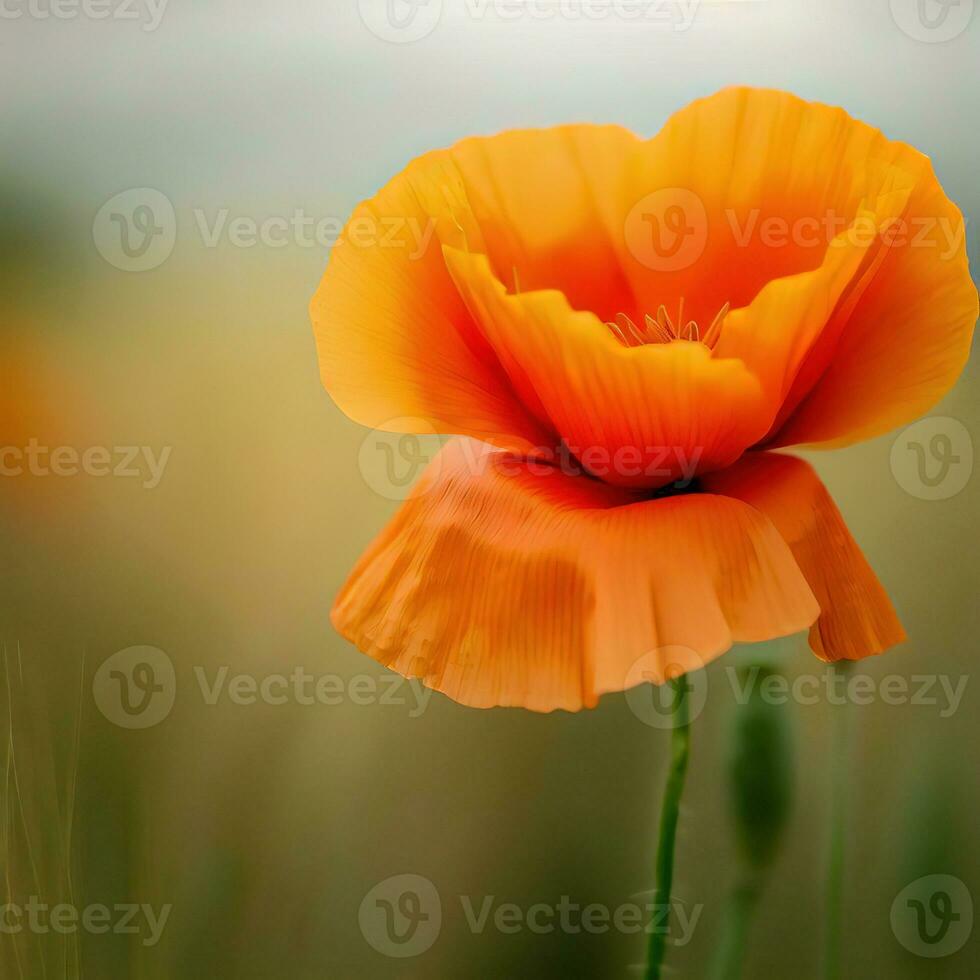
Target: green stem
x=741, y=908
x=833, y=915
x=680, y=746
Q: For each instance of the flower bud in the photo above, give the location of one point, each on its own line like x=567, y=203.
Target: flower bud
x=759, y=769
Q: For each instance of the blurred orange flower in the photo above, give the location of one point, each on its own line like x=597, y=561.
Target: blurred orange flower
x=621, y=330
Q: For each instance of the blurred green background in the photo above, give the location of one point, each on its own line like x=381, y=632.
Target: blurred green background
x=263, y=826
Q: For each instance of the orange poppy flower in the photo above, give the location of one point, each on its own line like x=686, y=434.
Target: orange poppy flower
x=621, y=330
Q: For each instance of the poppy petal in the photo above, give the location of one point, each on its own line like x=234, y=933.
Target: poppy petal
x=549, y=205
x=508, y=582
x=775, y=334
x=890, y=355
x=396, y=346
x=857, y=618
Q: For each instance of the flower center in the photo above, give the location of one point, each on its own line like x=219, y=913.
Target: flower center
x=661, y=329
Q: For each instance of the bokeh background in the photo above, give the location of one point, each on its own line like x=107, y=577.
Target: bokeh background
x=263, y=826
